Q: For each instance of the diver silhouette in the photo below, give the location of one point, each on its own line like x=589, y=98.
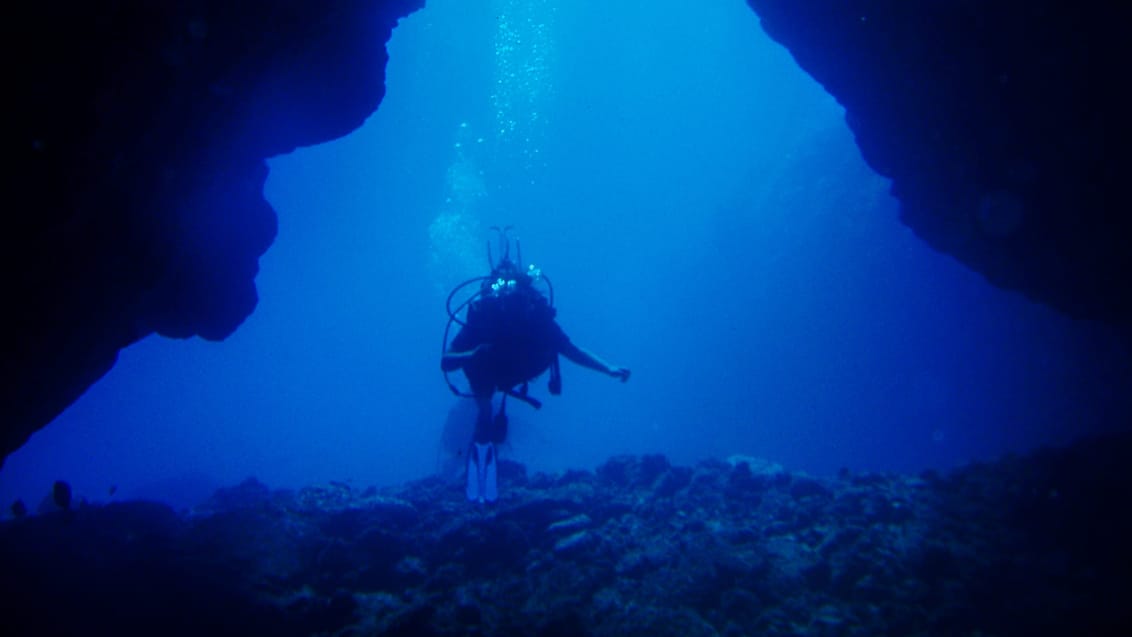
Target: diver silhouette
x=508, y=337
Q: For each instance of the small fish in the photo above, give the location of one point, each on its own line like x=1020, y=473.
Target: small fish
x=61, y=494
x=113, y=489
x=19, y=509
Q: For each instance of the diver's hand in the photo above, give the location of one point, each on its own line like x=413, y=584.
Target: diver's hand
x=620, y=372
x=452, y=361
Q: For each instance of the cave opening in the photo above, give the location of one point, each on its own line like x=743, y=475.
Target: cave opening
x=708, y=222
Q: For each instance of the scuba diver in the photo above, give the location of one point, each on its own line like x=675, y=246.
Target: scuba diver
x=507, y=338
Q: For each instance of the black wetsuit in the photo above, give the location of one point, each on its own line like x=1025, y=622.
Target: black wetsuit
x=523, y=341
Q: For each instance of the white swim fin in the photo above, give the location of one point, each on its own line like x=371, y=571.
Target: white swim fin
x=482, y=483
x=490, y=486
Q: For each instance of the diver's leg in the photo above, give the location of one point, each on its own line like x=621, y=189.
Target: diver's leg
x=490, y=481
x=483, y=419
x=499, y=424
x=481, y=474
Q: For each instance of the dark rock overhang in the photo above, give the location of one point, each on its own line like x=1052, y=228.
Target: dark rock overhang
x=138, y=132
x=138, y=137
x=1002, y=124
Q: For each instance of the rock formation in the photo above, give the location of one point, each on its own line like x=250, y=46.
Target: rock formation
x=1026, y=546
x=138, y=137
x=1002, y=125
x=138, y=132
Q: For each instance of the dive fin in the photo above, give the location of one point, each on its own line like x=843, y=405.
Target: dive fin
x=481, y=474
x=490, y=486
x=472, y=474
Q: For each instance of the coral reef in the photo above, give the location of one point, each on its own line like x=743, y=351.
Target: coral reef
x=1023, y=546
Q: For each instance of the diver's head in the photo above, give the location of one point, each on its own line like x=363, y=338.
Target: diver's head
x=506, y=277
x=506, y=274
x=507, y=269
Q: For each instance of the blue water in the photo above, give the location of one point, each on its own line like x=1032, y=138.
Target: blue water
x=707, y=221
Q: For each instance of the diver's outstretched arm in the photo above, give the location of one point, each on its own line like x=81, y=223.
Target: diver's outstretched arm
x=451, y=361
x=590, y=360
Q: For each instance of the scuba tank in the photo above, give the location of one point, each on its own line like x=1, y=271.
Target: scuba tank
x=499, y=291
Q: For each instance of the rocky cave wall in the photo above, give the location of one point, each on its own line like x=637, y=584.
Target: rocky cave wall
x=1002, y=124
x=138, y=137
x=138, y=133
